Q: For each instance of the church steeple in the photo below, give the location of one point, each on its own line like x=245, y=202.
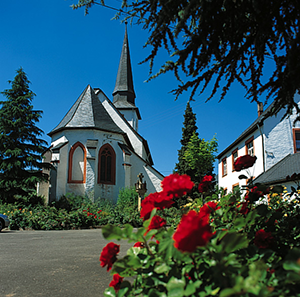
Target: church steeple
x=124, y=91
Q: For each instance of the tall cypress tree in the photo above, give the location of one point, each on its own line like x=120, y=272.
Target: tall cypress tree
x=189, y=129
x=20, y=148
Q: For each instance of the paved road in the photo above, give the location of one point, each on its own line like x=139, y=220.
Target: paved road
x=53, y=263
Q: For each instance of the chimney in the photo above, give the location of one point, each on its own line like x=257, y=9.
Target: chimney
x=260, y=108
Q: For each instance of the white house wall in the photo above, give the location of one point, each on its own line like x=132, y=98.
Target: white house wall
x=277, y=144
x=278, y=139
x=231, y=179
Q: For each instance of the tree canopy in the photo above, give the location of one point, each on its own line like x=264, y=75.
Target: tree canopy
x=217, y=43
x=20, y=148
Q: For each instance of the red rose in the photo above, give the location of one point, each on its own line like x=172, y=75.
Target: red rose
x=207, y=208
x=207, y=178
x=254, y=195
x=116, y=282
x=205, y=183
x=244, y=162
x=139, y=244
x=157, y=200
x=156, y=223
x=109, y=255
x=193, y=231
x=244, y=209
x=177, y=185
x=263, y=239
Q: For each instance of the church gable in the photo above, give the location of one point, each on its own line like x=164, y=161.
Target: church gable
x=96, y=148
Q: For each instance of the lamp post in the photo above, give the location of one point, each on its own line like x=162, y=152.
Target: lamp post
x=141, y=189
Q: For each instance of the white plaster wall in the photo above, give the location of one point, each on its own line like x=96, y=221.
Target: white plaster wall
x=231, y=178
x=278, y=139
x=152, y=177
x=91, y=187
x=131, y=117
x=62, y=171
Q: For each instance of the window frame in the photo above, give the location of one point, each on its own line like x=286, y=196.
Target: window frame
x=223, y=171
x=113, y=165
x=232, y=157
x=71, y=153
x=235, y=185
x=295, y=130
x=251, y=139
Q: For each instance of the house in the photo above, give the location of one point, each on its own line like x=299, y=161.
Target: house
x=276, y=144
x=96, y=148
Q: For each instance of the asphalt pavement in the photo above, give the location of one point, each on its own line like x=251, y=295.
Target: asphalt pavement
x=53, y=263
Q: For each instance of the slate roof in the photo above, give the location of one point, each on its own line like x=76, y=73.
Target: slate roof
x=278, y=172
x=87, y=112
x=124, y=91
x=248, y=131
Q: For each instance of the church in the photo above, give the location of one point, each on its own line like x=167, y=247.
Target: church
x=96, y=149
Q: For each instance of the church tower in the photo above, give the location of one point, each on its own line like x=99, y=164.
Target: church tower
x=123, y=94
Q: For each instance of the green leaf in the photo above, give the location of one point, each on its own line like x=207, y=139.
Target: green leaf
x=175, y=287
x=162, y=268
x=290, y=265
x=239, y=222
x=232, y=242
x=128, y=230
x=278, y=189
x=192, y=287
x=110, y=292
x=124, y=288
x=112, y=232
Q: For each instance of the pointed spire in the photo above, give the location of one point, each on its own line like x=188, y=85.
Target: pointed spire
x=124, y=90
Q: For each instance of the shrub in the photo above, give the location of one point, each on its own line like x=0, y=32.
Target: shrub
x=232, y=246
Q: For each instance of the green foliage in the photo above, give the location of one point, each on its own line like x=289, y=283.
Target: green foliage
x=218, y=43
x=126, y=209
x=196, y=156
x=71, y=202
x=200, y=155
x=20, y=148
x=233, y=263
x=188, y=130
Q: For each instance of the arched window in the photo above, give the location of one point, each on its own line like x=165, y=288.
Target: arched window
x=107, y=165
x=77, y=164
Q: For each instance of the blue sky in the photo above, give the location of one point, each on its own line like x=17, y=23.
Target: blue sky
x=62, y=51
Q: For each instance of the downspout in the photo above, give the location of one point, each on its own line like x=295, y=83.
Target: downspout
x=263, y=146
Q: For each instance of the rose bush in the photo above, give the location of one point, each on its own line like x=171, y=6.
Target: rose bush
x=228, y=246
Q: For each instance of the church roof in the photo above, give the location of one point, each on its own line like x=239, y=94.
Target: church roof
x=124, y=92
x=87, y=112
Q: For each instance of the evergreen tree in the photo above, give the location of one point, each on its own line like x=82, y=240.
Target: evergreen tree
x=200, y=156
x=196, y=156
x=189, y=129
x=20, y=148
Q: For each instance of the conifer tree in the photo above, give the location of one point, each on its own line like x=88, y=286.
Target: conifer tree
x=20, y=148
x=196, y=156
x=189, y=129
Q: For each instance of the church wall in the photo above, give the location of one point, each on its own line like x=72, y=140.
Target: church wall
x=151, y=176
x=91, y=186
x=131, y=117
